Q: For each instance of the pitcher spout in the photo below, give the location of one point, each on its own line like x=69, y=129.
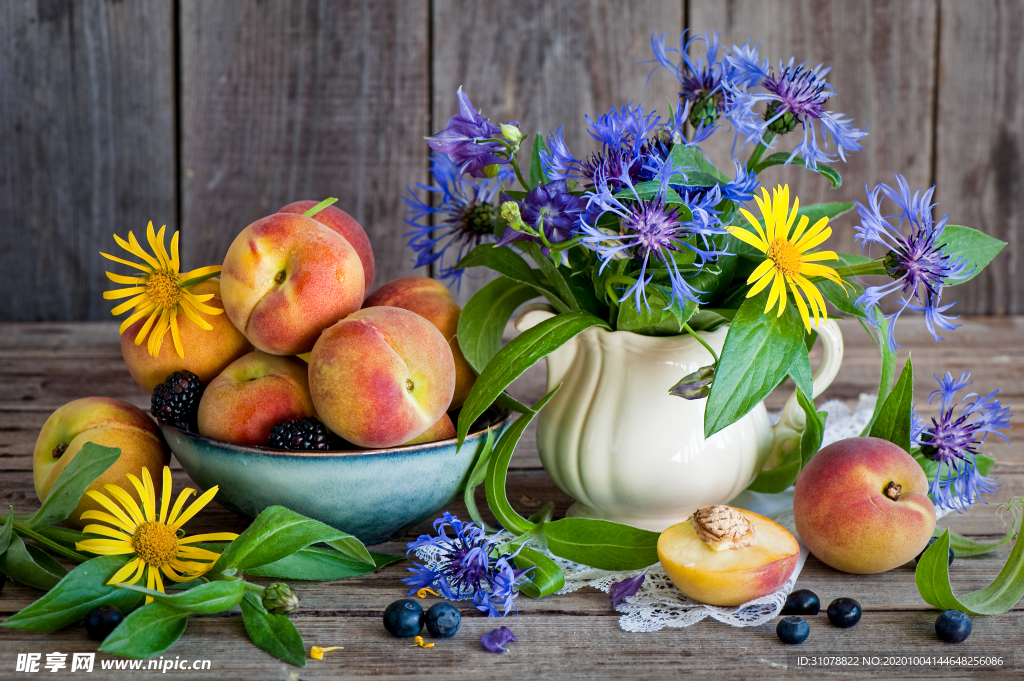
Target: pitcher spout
x=559, y=360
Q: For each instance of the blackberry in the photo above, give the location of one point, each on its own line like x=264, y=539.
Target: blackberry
x=304, y=433
x=176, y=400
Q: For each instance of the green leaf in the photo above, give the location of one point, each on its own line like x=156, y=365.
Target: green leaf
x=497, y=471
x=800, y=370
x=148, y=631
x=709, y=320
x=205, y=599
x=648, y=190
x=274, y=634
x=656, y=321
x=782, y=476
x=30, y=565
x=893, y=422
x=278, y=532
x=545, y=578
x=932, y=577
x=90, y=463
x=782, y=157
x=83, y=589
x=554, y=275
x=504, y=260
x=888, y=371
x=7, y=533
x=317, y=564
x=602, y=544
x=476, y=478
x=683, y=156
x=976, y=248
x=759, y=351
x=483, y=320
x=965, y=548
x=512, y=360
x=536, y=167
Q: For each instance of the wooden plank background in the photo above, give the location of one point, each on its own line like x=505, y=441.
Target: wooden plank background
x=205, y=115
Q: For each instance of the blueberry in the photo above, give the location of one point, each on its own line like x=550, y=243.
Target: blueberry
x=443, y=620
x=953, y=626
x=844, y=612
x=802, y=602
x=930, y=542
x=403, y=618
x=792, y=629
x=101, y=621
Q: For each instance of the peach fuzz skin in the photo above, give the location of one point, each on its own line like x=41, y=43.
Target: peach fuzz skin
x=433, y=301
x=844, y=516
x=107, y=422
x=286, y=278
x=252, y=394
x=206, y=352
x=345, y=225
x=444, y=429
x=381, y=376
x=733, y=576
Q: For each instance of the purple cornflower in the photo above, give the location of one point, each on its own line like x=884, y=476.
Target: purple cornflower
x=467, y=564
x=549, y=209
x=795, y=96
x=916, y=262
x=654, y=232
x=463, y=140
x=952, y=441
x=620, y=591
x=465, y=212
x=707, y=83
x=624, y=135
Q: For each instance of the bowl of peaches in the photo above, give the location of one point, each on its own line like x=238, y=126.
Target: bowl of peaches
x=309, y=393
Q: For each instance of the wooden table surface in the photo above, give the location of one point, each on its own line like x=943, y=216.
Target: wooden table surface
x=43, y=366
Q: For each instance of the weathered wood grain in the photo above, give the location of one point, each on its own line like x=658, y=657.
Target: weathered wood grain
x=299, y=100
x=979, y=147
x=883, y=59
x=87, y=132
x=546, y=64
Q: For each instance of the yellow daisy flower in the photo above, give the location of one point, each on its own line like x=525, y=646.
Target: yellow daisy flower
x=160, y=291
x=788, y=261
x=152, y=537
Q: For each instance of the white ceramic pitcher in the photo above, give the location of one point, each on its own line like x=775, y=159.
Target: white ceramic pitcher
x=615, y=440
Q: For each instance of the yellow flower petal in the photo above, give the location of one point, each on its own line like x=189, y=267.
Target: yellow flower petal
x=174, y=576
x=196, y=506
x=747, y=237
x=820, y=255
x=150, y=498
x=807, y=242
x=776, y=290
x=156, y=338
x=106, y=532
x=126, y=522
x=757, y=227
x=144, y=514
x=175, y=336
x=105, y=547
x=144, y=331
x=135, y=249
x=209, y=536
x=127, y=305
x=147, y=270
x=801, y=306
x=760, y=271
x=117, y=294
x=764, y=281
x=800, y=227
x=185, y=493
x=122, y=279
x=165, y=494
x=190, y=312
x=122, y=575
x=109, y=519
x=200, y=272
x=196, y=553
x=175, y=260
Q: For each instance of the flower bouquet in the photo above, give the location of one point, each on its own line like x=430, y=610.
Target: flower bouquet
x=647, y=236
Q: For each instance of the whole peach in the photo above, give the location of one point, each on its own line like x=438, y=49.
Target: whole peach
x=286, y=278
x=107, y=422
x=444, y=429
x=206, y=352
x=252, y=394
x=861, y=505
x=431, y=300
x=345, y=225
x=381, y=376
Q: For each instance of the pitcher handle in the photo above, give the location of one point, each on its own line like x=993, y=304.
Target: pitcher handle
x=786, y=433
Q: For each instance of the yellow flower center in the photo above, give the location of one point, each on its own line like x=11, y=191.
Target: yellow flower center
x=786, y=257
x=163, y=289
x=156, y=543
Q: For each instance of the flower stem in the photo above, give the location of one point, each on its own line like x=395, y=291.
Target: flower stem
x=519, y=174
x=687, y=329
x=26, y=531
x=759, y=150
x=876, y=266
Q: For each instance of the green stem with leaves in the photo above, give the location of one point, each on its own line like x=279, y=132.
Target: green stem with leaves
x=687, y=329
x=759, y=150
x=876, y=266
x=26, y=531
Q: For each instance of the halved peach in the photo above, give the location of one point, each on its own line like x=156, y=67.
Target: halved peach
x=732, y=576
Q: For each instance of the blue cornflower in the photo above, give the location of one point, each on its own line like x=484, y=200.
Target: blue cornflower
x=916, y=262
x=467, y=565
x=625, y=136
x=708, y=83
x=550, y=209
x=653, y=233
x=741, y=189
x=463, y=139
x=952, y=441
x=466, y=216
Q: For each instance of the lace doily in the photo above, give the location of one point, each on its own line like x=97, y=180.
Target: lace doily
x=659, y=604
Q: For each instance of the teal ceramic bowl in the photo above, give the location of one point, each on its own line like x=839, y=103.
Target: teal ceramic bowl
x=374, y=494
